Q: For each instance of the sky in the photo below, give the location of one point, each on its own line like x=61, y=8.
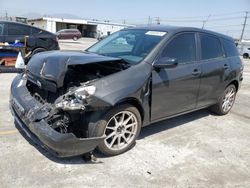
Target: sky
x=225, y=16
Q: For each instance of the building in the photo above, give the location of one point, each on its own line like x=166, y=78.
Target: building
x=14, y=18
x=88, y=28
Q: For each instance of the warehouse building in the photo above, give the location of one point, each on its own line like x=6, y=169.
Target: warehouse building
x=88, y=28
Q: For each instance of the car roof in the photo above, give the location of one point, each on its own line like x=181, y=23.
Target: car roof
x=177, y=29
x=18, y=23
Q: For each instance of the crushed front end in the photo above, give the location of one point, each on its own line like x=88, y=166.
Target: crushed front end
x=47, y=124
x=54, y=99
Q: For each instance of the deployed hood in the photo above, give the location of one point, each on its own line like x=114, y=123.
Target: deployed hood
x=53, y=65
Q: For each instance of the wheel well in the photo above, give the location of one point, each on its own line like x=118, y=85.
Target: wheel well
x=235, y=83
x=134, y=102
x=39, y=48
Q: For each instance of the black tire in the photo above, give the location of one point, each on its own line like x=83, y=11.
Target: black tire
x=75, y=38
x=245, y=56
x=100, y=129
x=218, y=108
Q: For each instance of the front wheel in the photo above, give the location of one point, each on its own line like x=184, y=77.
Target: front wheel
x=75, y=38
x=121, y=126
x=226, y=102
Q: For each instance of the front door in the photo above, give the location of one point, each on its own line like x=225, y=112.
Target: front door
x=175, y=90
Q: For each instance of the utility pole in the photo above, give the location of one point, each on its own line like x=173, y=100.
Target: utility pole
x=157, y=19
x=243, y=29
x=205, y=21
x=149, y=20
x=6, y=15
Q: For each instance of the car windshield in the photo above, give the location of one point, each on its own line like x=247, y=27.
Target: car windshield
x=132, y=45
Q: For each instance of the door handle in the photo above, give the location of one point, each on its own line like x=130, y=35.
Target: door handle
x=226, y=66
x=196, y=72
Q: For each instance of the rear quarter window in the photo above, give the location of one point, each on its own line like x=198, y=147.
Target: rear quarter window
x=36, y=31
x=210, y=47
x=1, y=28
x=230, y=48
x=18, y=29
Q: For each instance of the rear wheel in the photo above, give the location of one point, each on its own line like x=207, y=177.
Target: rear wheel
x=121, y=126
x=226, y=102
x=246, y=56
x=75, y=38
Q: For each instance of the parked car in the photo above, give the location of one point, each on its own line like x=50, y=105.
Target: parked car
x=38, y=40
x=74, y=34
x=100, y=98
x=244, y=49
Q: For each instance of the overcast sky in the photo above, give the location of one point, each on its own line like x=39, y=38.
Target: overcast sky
x=225, y=15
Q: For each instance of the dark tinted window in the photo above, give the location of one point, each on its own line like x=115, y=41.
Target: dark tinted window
x=182, y=48
x=1, y=28
x=210, y=47
x=230, y=48
x=16, y=29
x=36, y=31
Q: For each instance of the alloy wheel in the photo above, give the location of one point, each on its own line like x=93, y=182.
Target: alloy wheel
x=228, y=99
x=121, y=130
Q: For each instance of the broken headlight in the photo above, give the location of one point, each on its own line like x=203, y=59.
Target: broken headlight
x=77, y=99
x=85, y=92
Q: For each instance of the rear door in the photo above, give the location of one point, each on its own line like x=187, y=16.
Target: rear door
x=215, y=69
x=175, y=90
x=17, y=32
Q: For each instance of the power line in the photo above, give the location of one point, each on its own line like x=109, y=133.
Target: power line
x=223, y=26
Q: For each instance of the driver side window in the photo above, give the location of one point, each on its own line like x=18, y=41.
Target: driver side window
x=182, y=48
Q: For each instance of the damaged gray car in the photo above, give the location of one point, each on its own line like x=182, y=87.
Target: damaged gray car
x=75, y=102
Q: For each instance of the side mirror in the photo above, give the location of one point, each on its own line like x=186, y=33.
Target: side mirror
x=166, y=62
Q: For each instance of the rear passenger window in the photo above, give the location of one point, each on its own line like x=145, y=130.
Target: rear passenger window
x=210, y=47
x=1, y=28
x=230, y=48
x=36, y=31
x=16, y=29
x=182, y=48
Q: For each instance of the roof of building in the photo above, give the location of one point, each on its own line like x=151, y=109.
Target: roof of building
x=80, y=21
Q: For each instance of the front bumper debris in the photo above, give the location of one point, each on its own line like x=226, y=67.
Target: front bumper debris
x=23, y=106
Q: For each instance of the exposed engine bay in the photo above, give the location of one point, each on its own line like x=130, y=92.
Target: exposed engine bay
x=68, y=105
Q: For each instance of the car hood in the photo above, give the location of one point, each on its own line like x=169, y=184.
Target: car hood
x=53, y=65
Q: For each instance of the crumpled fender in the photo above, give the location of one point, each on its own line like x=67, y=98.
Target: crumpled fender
x=130, y=83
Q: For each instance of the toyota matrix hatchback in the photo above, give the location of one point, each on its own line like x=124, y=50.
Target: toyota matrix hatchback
x=74, y=102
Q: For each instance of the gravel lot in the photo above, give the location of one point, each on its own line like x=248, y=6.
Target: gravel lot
x=194, y=150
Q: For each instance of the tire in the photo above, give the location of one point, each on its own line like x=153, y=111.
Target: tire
x=226, y=101
x=75, y=38
x=245, y=56
x=110, y=125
